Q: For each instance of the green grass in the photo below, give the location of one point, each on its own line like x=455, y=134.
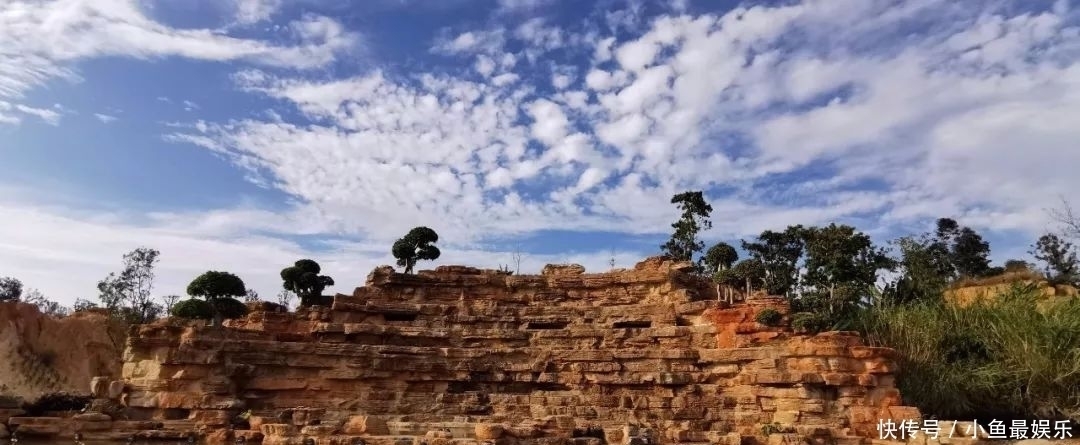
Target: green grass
x=995, y=359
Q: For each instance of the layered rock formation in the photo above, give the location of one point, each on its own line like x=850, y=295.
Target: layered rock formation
x=987, y=289
x=462, y=355
x=41, y=354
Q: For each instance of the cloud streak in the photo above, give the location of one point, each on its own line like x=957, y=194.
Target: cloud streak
x=40, y=40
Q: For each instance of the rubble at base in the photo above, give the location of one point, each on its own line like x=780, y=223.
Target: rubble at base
x=466, y=356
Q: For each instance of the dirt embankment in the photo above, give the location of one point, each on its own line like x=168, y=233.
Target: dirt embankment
x=40, y=354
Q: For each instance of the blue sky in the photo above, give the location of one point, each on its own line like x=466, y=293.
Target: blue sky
x=242, y=135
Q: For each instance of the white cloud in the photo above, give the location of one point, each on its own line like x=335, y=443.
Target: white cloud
x=701, y=101
x=471, y=42
x=12, y=113
x=190, y=106
x=856, y=119
x=254, y=11
x=513, y=6
x=549, y=122
x=561, y=81
x=105, y=118
x=39, y=40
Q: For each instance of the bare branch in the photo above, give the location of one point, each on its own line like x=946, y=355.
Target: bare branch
x=517, y=260
x=1067, y=218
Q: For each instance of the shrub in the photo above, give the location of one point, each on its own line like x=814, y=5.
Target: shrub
x=198, y=309
x=1000, y=358
x=809, y=322
x=58, y=401
x=769, y=317
x=193, y=309
x=230, y=307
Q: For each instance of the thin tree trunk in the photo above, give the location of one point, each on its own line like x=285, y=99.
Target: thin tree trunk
x=218, y=320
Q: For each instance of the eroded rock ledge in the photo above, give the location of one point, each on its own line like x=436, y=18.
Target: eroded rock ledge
x=464, y=355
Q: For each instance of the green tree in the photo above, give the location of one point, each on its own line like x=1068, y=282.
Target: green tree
x=779, y=254
x=1016, y=265
x=841, y=268
x=10, y=289
x=719, y=257
x=1059, y=256
x=192, y=309
x=924, y=267
x=743, y=275
x=303, y=279
x=127, y=295
x=414, y=246
x=969, y=254
x=695, y=217
x=213, y=285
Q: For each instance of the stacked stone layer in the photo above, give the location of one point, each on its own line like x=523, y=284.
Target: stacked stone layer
x=462, y=355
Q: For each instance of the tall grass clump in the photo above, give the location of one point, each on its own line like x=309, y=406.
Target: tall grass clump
x=999, y=358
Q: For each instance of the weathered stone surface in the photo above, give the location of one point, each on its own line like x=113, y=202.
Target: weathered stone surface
x=466, y=355
x=365, y=425
x=116, y=389
x=36, y=426
x=99, y=386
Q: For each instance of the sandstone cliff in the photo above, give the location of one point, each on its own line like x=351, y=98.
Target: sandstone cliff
x=971, y=291
x=42, y=354
x=461, y=355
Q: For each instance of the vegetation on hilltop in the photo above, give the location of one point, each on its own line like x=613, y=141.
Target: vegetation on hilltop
x=997, y=358
x=1002, y=358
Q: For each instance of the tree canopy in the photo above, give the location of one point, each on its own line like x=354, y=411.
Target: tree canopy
x=968, y=253
x=841, y=268
x=684, y=242
x=128, y=293
x=720, y=256
x=1059, y=258
x=303, y=279
x=214, y=284
x=10, y=289
x=416, y=245
x=778, y=253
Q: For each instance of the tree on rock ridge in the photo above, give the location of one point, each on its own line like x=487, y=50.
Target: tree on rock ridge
x=303, y=279
x=414, y=246
x=684, y=242
x=214, y=285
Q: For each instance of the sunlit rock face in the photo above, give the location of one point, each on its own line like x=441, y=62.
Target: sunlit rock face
x=461, y=355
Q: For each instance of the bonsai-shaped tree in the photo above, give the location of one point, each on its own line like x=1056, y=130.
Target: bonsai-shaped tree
x=214, y=285
x=303, y=279
x=414, y=246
